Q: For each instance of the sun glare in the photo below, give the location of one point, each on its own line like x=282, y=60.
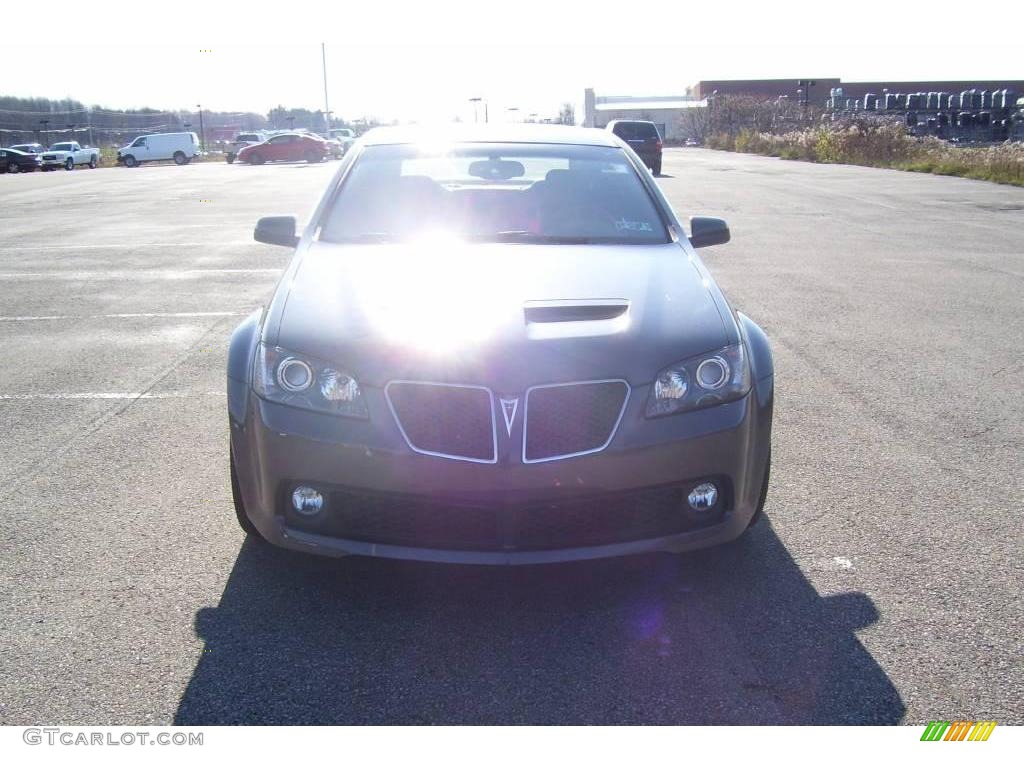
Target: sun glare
x=437, y=304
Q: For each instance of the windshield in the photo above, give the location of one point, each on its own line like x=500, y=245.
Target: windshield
x=635, y=131
x=494, y=193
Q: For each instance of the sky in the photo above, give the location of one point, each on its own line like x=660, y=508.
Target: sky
x=425, y=60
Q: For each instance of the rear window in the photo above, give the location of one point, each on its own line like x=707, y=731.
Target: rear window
x=635, y=131
x=494, y=193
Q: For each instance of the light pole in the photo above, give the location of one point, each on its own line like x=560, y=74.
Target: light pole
x=806, y=98
x=43, y=132
x=327, y=108
x=202, y=130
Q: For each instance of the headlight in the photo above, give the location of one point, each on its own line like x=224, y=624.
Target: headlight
x=702, y=381
x=305, y=382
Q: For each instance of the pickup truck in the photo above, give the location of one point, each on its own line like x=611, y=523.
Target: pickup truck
x=343, y=136
x=69, y=154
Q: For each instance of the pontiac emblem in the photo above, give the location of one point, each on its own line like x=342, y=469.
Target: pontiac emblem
x=508, y=410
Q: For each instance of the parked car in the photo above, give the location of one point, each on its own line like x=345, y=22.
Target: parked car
x=343, y=136
x=286, y=146
x=68, y=154
x=241, y=141
x=643, y=138
x=500, y=347
x=14, y=160
x=179, y=147
x=31, y=149
x=336, y=148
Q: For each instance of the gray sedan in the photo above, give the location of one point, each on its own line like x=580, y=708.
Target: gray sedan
x=497, y=345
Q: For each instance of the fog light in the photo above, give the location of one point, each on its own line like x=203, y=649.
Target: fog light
x=307, y=501
x=703, y=497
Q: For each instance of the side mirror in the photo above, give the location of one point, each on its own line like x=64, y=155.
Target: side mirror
x=705, y=231
x=276, y=230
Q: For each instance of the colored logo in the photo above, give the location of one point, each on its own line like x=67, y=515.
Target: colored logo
x=958, y=730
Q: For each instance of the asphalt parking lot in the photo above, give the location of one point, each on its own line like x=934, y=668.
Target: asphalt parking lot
x=884, y=588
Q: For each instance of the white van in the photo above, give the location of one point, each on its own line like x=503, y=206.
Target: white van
x=179, y=147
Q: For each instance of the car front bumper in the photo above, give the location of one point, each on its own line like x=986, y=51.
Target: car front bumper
x=277, y=447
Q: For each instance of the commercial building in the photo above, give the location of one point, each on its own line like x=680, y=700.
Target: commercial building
x=663, y=111
x=822, y=87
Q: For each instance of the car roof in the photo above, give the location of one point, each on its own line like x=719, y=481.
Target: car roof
x=496, y=133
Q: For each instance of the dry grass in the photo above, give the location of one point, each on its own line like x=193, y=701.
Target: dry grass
x=882, y=145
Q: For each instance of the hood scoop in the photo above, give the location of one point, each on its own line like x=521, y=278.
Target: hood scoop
x=574, y=310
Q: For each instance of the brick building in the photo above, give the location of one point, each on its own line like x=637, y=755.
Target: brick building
x=820, y=91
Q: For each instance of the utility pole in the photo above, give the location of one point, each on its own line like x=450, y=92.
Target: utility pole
x=806, y=86
x=327, y=108
x=202, y=130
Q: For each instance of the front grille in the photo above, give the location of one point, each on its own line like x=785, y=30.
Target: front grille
x=49, y=157
x=447, y=420
x=565, y=420
x=429, y=523
x=407, y=521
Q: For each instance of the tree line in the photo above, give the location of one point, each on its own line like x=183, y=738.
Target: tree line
x=28, y=120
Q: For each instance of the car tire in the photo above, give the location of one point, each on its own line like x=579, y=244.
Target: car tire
x=180, y=158
x=312, y=157
x=236, y=497
x=13, y=167
x=256, y=158
x=130, y=161
x=92, y=161
x=69, y=164
x=230, y=158
x=656, y=168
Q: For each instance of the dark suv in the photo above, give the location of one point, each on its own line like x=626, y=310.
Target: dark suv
x=642, y=136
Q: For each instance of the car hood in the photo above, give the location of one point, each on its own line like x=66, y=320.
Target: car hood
x=504, y=315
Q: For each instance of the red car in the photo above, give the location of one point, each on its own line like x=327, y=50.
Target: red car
x=286, y=147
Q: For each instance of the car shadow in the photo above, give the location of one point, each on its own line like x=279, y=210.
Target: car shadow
x=730, y=635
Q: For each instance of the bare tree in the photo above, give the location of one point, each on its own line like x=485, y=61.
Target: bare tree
x=695, y=123
x=567, y=115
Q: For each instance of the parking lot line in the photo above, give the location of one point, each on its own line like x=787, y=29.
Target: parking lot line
x=110, y=395
x=121, y=315
x=132, y=245
x=125, y=274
